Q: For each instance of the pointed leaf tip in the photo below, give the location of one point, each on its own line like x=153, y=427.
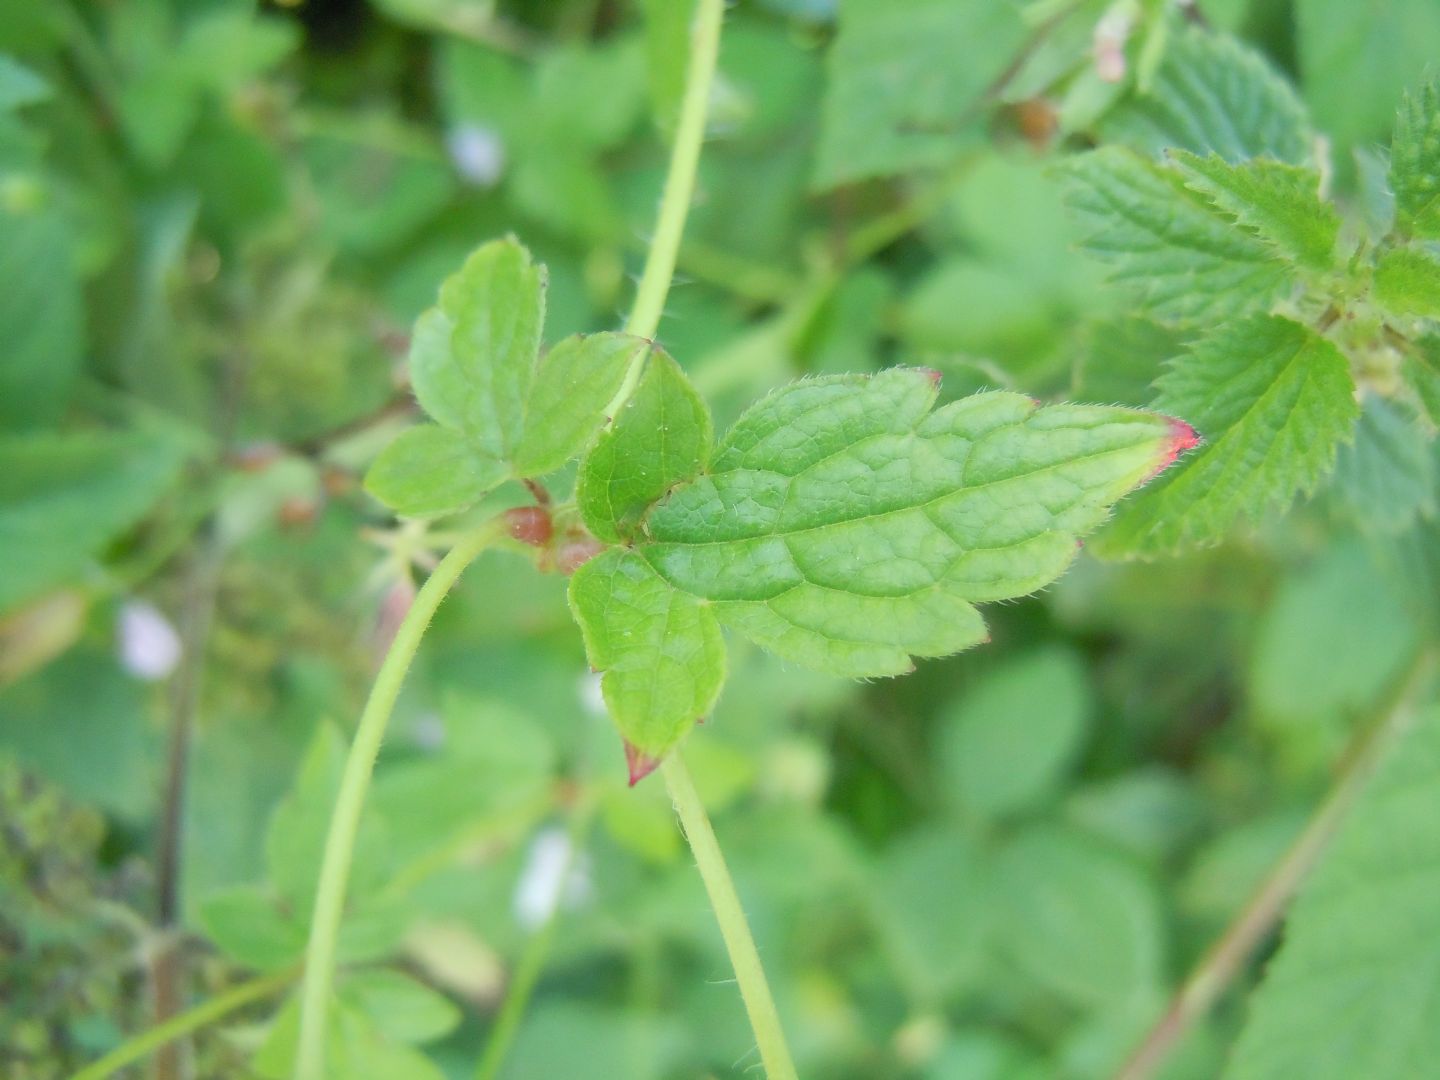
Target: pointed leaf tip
x=1182, y=438
x=639, y=763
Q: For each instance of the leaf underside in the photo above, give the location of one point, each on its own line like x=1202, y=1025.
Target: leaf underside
x=847, y=526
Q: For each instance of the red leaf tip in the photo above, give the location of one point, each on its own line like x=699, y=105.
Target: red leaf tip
x=639, y=763
x=1182, y=437
x=933, y=375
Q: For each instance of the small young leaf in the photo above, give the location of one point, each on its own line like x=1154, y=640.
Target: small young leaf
x=661, y=437
x=573, y=383
x=1279, y=203
x=845, y=526
x=1415, y=164
x=249, y=927
x=1275, y=402
x=1187, y=262
x=1407, y=282
x=1354, y=990
x=473, y=357
x=402, y=1009
x=1213, y=95
x=432, y=470
x=659, y=649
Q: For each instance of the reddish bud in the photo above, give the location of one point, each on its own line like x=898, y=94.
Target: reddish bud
x=297, y=512
x=1182, y=437
x=394, y=606
x=1038, y=122
x=639, y=763
x=254, y=457
x=529, y=524
x=576, y=554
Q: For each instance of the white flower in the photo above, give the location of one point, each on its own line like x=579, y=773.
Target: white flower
x=478, y=153
x=553, y=874
x=149, y=645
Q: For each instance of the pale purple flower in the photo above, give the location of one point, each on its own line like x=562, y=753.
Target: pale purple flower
x=149, y=646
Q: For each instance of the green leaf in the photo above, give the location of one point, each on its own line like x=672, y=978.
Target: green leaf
x=64, y=497
x=661, y=438
x=1280, y=203
x=659, y=648
x=667, y=45
x=1185, y=261
x=472, y=359
x=1079, y=920
x=1415, y=164
x=903, y=77
x=1421, y=371
x=432, y=470
x=933, y=908
x=573, y=384
x=1387, y=477
x=1009, y=739
x=1213, y=94
x=845, y=526
x=1356, y=59
x=1407, y=282
x=42, y=317
x=19, y=85
x=402, y=1009
x=1355, y=990
x=1274, y=401
x=247, y=926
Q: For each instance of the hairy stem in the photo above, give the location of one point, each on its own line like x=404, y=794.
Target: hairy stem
x=744, y=957
x=679, y=189
x=345, y=820
x=207, y=1012
x=1228, y=956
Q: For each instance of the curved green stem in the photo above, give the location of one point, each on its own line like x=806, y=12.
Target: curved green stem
x=679, y=190
x=345, y=820
x=207, y=1012
x=744, y=957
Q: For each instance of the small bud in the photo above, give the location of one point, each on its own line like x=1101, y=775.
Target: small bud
x=149, y=646
x=530, y=525
x=576, y=554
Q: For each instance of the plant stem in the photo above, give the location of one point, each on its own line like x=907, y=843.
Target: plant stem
x=345, y=820
x=1224, y=960
x=679, y=190
x=744, y=957
x=532, y=960
x=207, y=1012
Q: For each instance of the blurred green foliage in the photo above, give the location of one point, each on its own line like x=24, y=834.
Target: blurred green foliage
x=218, y=221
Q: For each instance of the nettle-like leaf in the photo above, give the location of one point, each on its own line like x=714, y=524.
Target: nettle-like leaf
x=1355, y=990
x=1279, y=203
x=1415, y=164
x=1407, y=282
x=501, y=410
x=1186, y=260
x=843, y=523
x=1213, y=94
x=1275, y=401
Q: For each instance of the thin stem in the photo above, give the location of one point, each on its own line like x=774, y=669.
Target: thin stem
x=207, y=1012
x=345, y=820
x=744, y=957
x=532, y=960
x=1225, y=959
x=679, y=190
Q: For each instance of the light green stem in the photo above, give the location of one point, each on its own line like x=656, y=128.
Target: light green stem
x=679, y=190
x=345, y=819
x=207, y=1012
x=532, y=960
x=744, y=957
